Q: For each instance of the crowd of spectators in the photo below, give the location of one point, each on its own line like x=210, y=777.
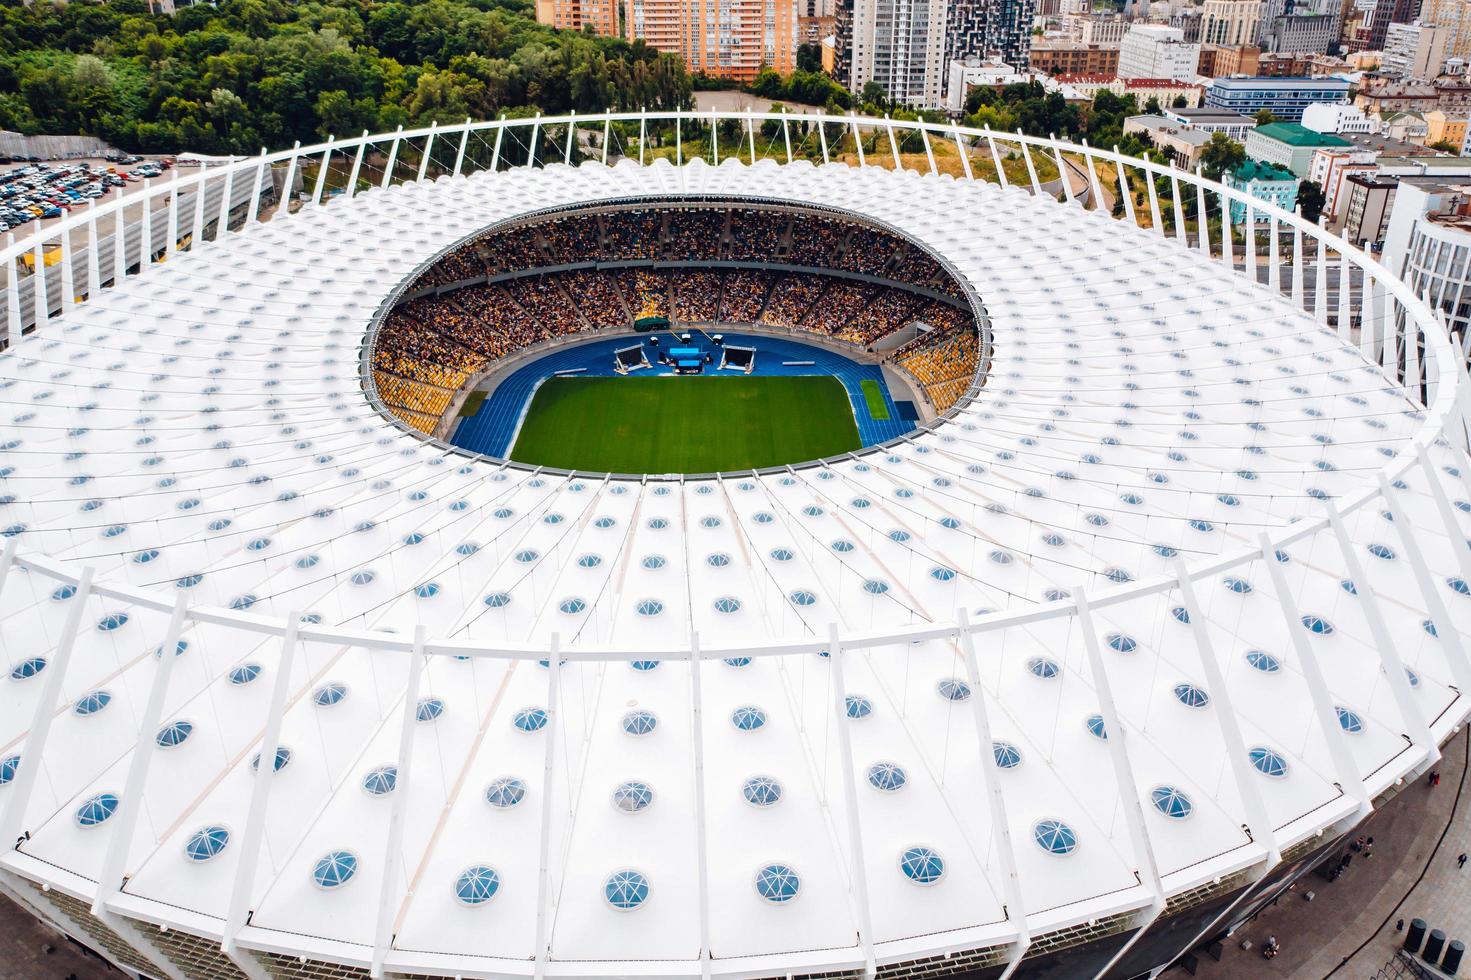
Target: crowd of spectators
x=429, y=347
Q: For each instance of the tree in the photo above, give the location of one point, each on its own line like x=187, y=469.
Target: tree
x=1179, y=103
x=1151, y=107
x=1445, y=146
x=1264, y=117
x=1310, y=198
x=1221, y=154
x=873, y=94
x=809, y=57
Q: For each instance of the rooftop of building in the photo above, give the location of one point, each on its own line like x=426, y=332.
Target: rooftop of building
x=1258, y=170
x=1161, y=124
x=1286, y=81
x=1372, y=180
x=1388, y=144
x=1212, y=114
x=1296, y=134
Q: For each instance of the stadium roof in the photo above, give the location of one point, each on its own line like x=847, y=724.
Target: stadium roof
x=202, y=431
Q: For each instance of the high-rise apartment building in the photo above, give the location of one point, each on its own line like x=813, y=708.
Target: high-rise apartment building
x=725, y=38
x=1414, y=51
x=1156, y=51
x=574, y=15
x=1230, y=23
x=900, y=44
x=1455, y=17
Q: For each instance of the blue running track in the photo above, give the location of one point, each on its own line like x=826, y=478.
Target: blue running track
x=492, y=429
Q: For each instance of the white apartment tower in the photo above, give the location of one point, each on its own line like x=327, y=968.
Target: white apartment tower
x=1157, y=51
x=901, y=45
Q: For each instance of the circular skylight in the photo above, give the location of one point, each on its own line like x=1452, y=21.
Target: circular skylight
x=505, y=792
x=777, y=883
x=381, y=781
x=1007, y=756
x=761, y=791
x=1267, y=761
x=887, y=777
x=1172, y=802
x=1054, y=836
x=205, y=843
x=921, y=865
x=95, y=809
x=334, y=869
x=748, y=718
x=477, y=885
x=632, y=796
x=626, y=890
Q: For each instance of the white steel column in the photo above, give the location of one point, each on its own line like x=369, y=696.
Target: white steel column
x=1450, y=637
x=1411, y=713
x=786, y=133
x=119, y=243
x=995, y=157
x=260, y=793
x=929, y=152
x=357, y=166
x=1227, y=232
x=465, y=141
x=1344, y=285
x=425, y=157
x=642, y=119
x=1274, y=258
x=392, y=158
x=1248, y=248
x=1259, y=825
x=678, y=141
x=1062, y=172
x=1202, y=228
x=41, y=307
x=1124, y=191
x=697, y=728
x=94, y=263
x=1320, y=284
x=1179, y=209
x=1156, y=225
x=145, y=231
x=222, y=222
x=893, y=144
x=322, y=169
x=715, y=141
x=68, y=275
x=544, y=848
x=751, y=135
x=822, y=139
x=1459, y=545
x=857, y=140
x=571, y=136
x=964, y=154
x=12, y=295
x=1016, y=910
x=283, y=200
x=1031, y=167
x=1349, y=778
x=1297, y=265
x=32, y=748
x=110, y=878
x=393, y=851
x=856, y=854
x=252, y=209
x=495, y=151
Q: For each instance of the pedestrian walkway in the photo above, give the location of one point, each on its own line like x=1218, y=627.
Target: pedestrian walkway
x=1348, y=930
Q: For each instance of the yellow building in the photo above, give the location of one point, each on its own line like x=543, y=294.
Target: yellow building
x=1445, y=129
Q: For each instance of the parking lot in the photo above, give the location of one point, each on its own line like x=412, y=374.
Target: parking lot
x=34, y=192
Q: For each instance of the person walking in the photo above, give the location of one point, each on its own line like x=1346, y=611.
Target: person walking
x=1461, y=861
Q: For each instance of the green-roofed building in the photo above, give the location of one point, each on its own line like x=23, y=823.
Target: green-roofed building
x=1265, y=182
x=1290, y=145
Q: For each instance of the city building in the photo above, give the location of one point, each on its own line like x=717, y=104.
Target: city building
x=1156, y=51
x=1308, y=33
x=1060, y=57
x=1221, y=62
x=575, y=15
x=1163, y=90
x=1285, y=97
x=1331, y=166
x=1290, y=145
x=1364, y=214
x=1211, y=120
x=1443, y=129
x=1103, y=29
x=1179, y=143
x=1428, y=244
x=731, y=39
x=1387, y=12
x=900, y=44
x=973, y=72
x=999, y=29
x=1389, y=146
x=1454, y=16
x=1335, y=117
x=1407, y=126
x=1265, y=182
x=1414, y=51
x=1230, y=23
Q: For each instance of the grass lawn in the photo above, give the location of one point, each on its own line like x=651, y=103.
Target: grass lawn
x=685, y=425
x=873, y=395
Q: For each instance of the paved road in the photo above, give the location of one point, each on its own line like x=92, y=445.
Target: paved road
x=1347, y=931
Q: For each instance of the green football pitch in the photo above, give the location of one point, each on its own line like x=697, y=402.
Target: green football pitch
x=685, y=425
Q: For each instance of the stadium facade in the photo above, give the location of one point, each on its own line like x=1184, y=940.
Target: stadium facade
x=1062, y=683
